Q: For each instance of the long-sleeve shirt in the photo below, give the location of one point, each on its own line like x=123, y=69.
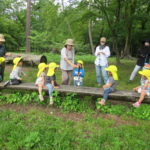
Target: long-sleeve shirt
x=101, y=59
x=76, y=71
x=16, y=73
x=2, y=51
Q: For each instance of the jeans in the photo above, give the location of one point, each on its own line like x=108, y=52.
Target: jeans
x=106, y=93
x=134, y=72
x=78, y=83
x=50, y=88
x=100, y=69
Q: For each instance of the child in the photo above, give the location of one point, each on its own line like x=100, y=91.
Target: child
x=78, y=74
x=51, y=80
x=111, y=84
x=145, y=88
x=15, y=75
x=2, y=60
x=40, y=81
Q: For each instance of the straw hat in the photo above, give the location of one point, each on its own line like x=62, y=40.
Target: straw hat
x=103, y=39
x=51, y=68
x=145, y=73
x=113, y=69
x=16, y=61
x=41, y=68
x=2, y=39
x=2, y=59
x=69, y=42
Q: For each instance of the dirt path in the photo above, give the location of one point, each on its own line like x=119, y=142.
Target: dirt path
x=73, y=116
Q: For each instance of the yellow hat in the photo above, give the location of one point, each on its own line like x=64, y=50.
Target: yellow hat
x=113, y=69
x=2, y=59
x=41, y=68
x=80, y=62
x=145, y=73
x=16, y=61
x=51, y=68
x=2, y=39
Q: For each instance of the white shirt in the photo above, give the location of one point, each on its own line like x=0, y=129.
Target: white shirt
x=101, y=59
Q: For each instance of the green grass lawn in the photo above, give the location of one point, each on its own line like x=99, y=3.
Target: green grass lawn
x=38, y=130
x=124, y=72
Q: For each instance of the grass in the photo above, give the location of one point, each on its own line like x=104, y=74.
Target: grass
x=124, y=72
x=40, y=131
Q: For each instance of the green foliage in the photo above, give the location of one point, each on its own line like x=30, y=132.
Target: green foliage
x=143, y=112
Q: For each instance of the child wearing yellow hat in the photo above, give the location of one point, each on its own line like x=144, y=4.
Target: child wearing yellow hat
x=78, y=74
x=111, y=83
x=40, y=81
x=15, y=75
x=51, y=80
x=145, y=89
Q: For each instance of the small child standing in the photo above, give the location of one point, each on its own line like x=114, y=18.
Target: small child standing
x=40, y=81
x=78, y=74
x=15, y=75
x=145, y=89
x=51, y=80
x=111, y=83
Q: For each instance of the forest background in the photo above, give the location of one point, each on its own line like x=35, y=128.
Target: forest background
x=123, y=22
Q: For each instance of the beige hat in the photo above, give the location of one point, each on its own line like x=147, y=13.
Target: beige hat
x=103, y=39
x=2, y=39
x=69, y=42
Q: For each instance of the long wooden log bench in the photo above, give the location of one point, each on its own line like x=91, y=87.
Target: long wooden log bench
x=118, y=95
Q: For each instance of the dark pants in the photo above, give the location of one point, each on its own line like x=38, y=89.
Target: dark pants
x=15, y=81
x=2, y=68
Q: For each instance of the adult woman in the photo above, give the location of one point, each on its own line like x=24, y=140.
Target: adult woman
x=142, y=58
x=67, y=62
x=102, y=53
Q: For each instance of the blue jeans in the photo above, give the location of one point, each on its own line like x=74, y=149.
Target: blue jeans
x=78, y=83
x=100, y=69
x=106, y=93
x=50, y=88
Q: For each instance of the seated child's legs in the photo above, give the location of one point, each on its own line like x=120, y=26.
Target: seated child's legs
x=15, y=81
x=142, y=96
x=106, y=93
x=50, y=89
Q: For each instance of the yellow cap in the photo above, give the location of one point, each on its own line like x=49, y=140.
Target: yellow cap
x=51, y=68
x=16, y=61
x=145, y=73
x=41, y=68
x=2, y=59
x=80, y=62
x=113, y=69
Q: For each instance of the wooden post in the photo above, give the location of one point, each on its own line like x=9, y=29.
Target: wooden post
x=28, y=26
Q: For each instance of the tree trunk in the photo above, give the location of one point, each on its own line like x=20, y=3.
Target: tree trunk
x=28, y=59
x=28, y=26
x=90, y=36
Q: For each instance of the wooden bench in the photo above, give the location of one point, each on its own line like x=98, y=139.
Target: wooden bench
x=118, y=95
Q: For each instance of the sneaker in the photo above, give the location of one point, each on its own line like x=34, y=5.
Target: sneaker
x=137, y=104
x=6, y=83
x=102, y=102
x=41, y=98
